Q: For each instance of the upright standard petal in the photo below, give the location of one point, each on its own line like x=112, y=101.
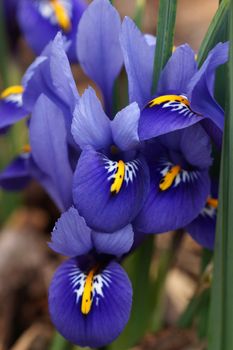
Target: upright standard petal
x=98, y=45
x=178, y=71
x=16, y=175
x=201, y=86
x=116, y=243
x=48, y=139
x=91, y=126
x=11, y=106
x=107, y=291
x=71, y=235
x=139, y=60
x=45, y=76
x=109, y=194
x=125, y=127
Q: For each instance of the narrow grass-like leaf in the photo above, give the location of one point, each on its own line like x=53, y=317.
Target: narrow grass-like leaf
x=3, y=49
x=217, y=31
x=165, y=35
x=139, y=12
x=221, y=315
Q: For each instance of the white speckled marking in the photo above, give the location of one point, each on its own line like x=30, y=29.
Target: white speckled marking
x=46, y=10
x=131, y=169
x=100, y=281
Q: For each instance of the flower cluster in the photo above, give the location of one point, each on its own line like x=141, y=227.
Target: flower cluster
x=115, y=179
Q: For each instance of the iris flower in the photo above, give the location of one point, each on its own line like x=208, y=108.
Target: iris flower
x=90, y=295
x=172, y=123
x=111, y=169
x=40, y=20
x=185, y=94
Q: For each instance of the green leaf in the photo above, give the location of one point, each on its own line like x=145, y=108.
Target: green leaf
x=217, y=31
x=3, y=49
x=165, y=35
x=139, y=12
x=196, y=310
x=221, y=314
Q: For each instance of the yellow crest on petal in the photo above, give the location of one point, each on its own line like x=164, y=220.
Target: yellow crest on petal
x=119, y=177
x=169, y=178
x=12, y=90
x=61, y=15
x=168, y=98
x=87, y=296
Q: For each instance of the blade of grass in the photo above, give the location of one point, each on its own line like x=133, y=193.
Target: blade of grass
x=217, y=31
x=3, y=49
x=221, y=313
x=139, y=12
x=165, y=35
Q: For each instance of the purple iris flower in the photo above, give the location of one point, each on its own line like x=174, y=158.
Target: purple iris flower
x=111, y=180
x=185, y=95
x=90, y=295
x=40, y=20
x=172, y=124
